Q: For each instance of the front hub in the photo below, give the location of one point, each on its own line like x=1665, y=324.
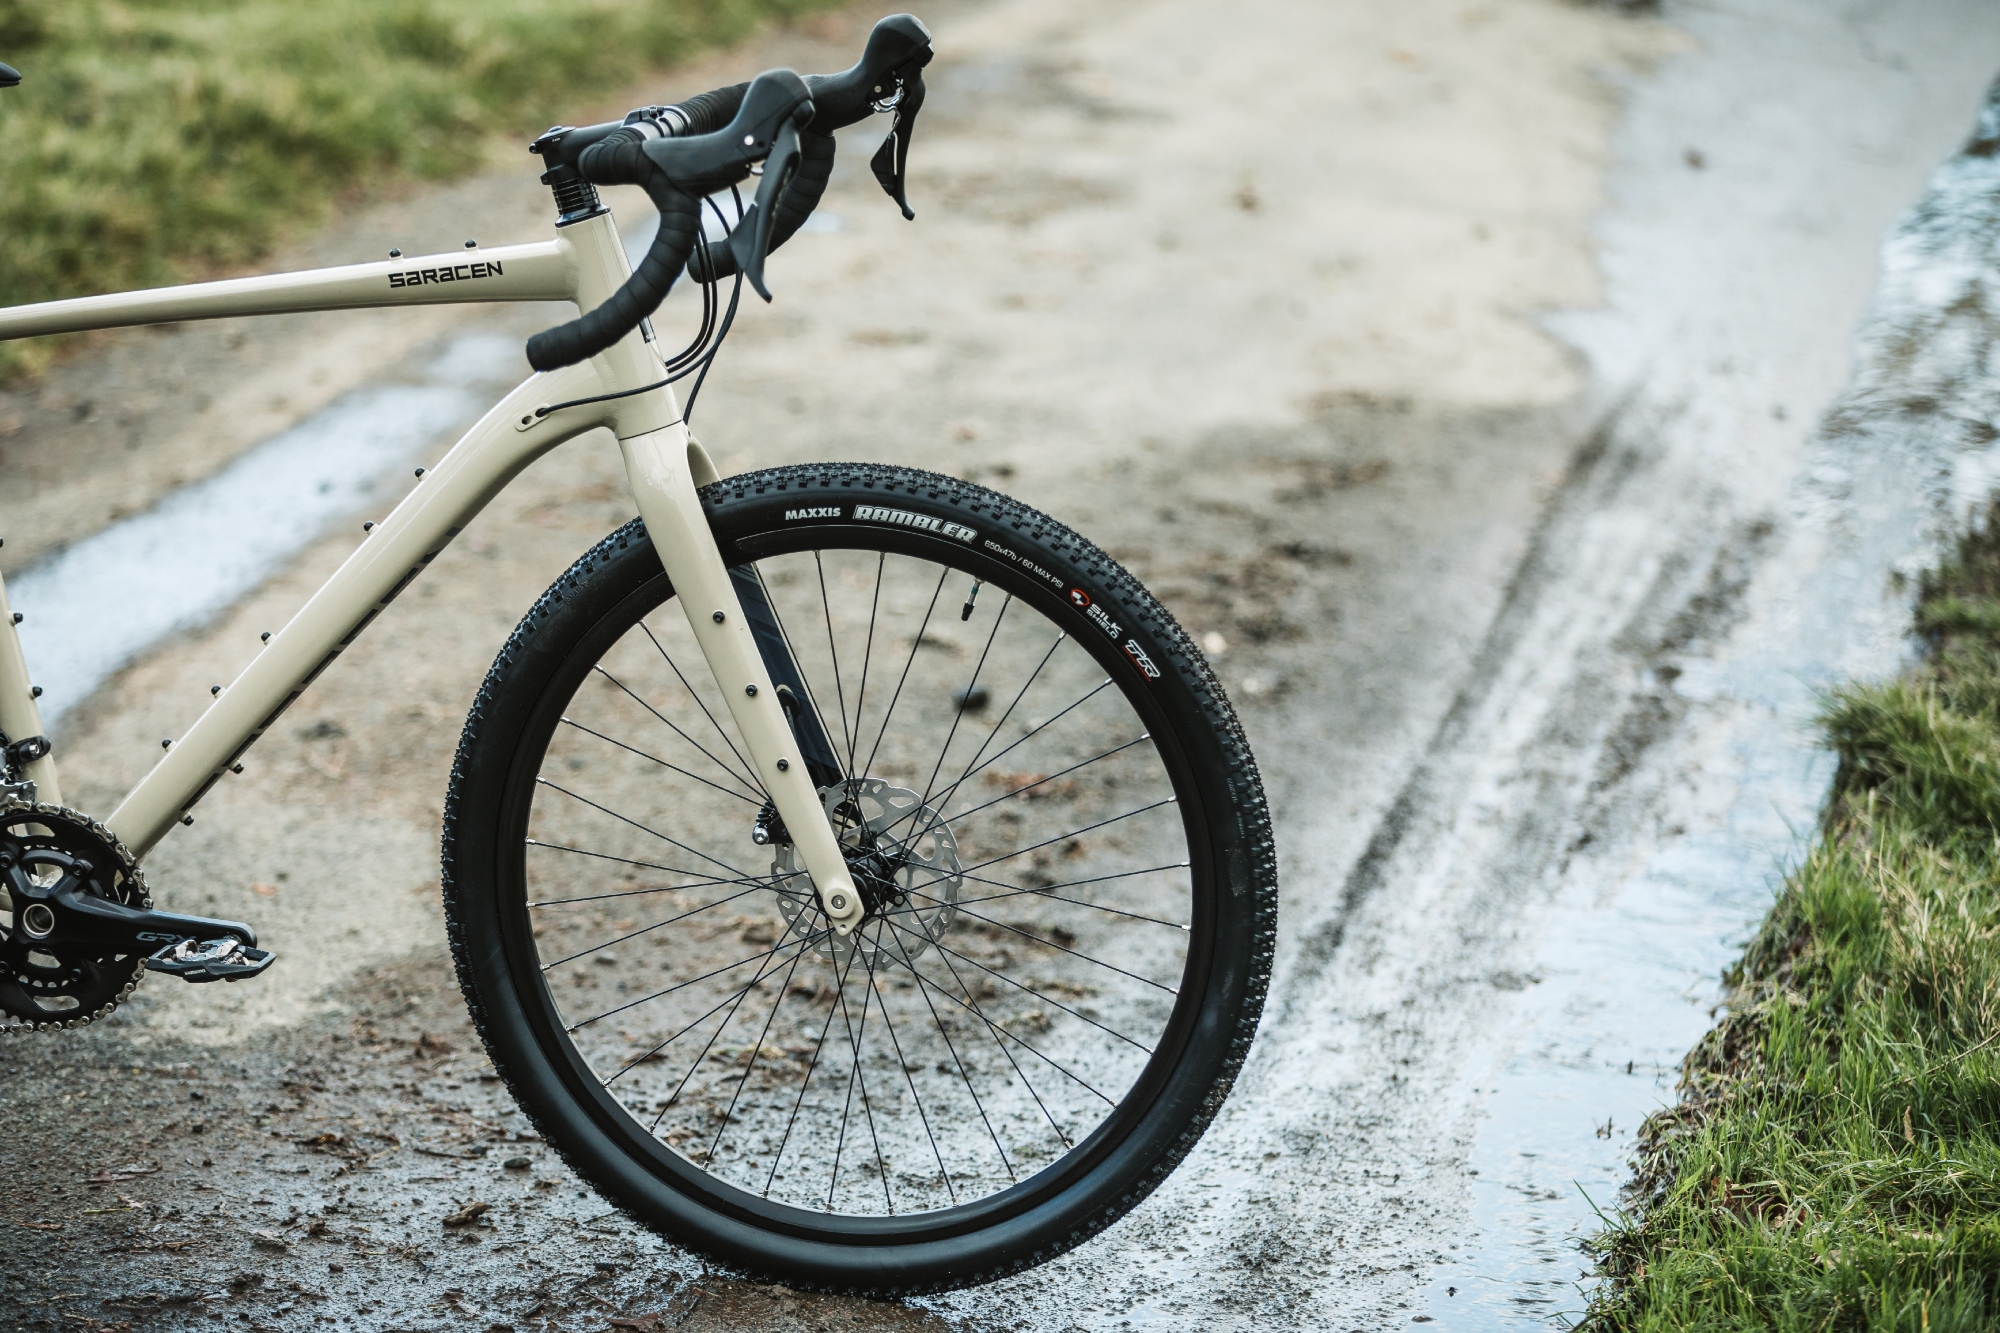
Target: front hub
x=905, y=865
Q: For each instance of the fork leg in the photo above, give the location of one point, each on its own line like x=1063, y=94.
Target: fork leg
x=20, y=716
x=815, y=746
x=657, y=464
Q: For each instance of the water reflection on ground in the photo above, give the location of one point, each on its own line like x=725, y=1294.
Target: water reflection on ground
x=1624, y=985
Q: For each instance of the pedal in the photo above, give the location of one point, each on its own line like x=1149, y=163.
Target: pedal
x=226, y=959
x=57, y=913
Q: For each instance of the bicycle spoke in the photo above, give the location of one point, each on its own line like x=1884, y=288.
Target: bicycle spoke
x=1015, y=889
x=1065, y=837
x=624, y=861
x=1008, y=1055
x=1006, y=713
x=756, y=1052
x=805, y=1083
x=867, y=654
x=693, y=694
x=1031, y=733
x=970, y=811
x=833, y=653
x=661, y=1045
x=916, y=643
x=1049, y=944
x=869, y=991
x=674, y=842
x=1027, y=1046
x=1045, y=999
x=647, y=930
x=903, y=1063
x=965, y=695
x=661, y=762
x=1045, y=895
x=713, y=1037
x=677, y=986
x=1024, y=1045
x=1019, y=694
x=677, y=731
x=855, y=1041
x=973, y=1092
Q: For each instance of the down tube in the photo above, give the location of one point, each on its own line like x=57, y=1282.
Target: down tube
x=447, y=497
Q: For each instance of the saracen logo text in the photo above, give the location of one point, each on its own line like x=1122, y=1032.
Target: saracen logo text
x=417, y=277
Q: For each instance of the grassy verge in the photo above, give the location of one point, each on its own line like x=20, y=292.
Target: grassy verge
x=1834, y=1162
x=155, y=138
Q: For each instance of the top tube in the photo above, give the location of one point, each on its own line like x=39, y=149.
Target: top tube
x=539, y=271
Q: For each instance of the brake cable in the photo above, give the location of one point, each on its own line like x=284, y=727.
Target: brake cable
x=728, y=317
x=697, y=355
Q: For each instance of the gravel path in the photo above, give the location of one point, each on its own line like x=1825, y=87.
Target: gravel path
x=1259, y=304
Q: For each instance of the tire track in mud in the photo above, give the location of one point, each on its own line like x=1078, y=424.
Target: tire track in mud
x=1395, y=993
x=1694, y=597
x=1421, y=792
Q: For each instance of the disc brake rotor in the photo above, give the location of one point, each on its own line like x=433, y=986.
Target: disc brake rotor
x=905, y=864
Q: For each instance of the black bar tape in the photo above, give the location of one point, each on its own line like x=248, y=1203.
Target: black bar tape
x=801, y=197
x=710, y=111
x=618, y=159
x=621, y=160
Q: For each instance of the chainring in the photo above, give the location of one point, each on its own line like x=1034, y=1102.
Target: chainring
x=44, y=987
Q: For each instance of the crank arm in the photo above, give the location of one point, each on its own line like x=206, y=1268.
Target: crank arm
x=193, y=948
x=77, y=919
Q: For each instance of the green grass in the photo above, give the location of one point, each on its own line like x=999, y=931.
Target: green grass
x=152, y=140
x=1834, y=1162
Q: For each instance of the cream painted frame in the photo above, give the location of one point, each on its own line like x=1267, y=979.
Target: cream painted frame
x=584, y=263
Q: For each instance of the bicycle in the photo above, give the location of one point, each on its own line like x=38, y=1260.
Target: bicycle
x=1012, y=940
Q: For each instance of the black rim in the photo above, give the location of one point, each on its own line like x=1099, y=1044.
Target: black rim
x=917, y=964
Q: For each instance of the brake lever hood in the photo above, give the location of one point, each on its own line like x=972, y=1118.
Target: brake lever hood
x=777, y=100
x=898, y=47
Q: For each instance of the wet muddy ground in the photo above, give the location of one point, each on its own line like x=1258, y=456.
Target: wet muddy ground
x=1494, y=611
x=346, y=1130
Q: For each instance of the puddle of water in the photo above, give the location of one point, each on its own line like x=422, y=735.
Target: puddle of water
x=1623, y=990
x=1627, y=980
x=96, y=605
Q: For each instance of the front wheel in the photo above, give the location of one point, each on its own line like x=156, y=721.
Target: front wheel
x=1049, y=808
